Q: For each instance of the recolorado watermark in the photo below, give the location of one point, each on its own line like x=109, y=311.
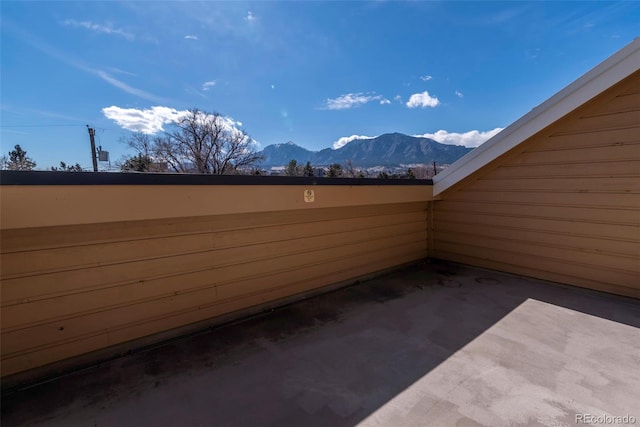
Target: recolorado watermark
x=590, y=419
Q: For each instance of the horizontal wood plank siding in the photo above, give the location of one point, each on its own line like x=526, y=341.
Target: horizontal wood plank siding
x=563, y=206
x=73, y=288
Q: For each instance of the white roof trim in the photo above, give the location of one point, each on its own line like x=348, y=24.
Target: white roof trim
x=614, y=69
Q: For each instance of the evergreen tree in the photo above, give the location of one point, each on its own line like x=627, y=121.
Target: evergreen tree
x=335, y=170
x=67, y=168
x=293, y=169
x=308, y=169
x=18, y=160
x=138, y=163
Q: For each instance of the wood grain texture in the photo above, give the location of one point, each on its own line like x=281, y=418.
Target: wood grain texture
x=563, y=206
x=70, y=289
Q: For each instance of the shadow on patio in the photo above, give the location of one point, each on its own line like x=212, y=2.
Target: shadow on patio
x=433, y=344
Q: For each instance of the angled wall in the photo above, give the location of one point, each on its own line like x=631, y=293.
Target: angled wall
x=563, y=205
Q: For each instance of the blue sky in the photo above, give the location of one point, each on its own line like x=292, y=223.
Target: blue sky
x=313, y=73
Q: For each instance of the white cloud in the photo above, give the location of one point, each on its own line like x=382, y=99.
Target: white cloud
x=422, y=100
x=473, y=138
x=250, y=17
x=353, y=100
x=152, y=120
x=148, y=121
x=425, y=78
x=233, y=126
x=384, y=101
x=459, y=94
x=191, y=37
x=208, y=85
x=398, y=98
x=341, y=142
x=98, y=28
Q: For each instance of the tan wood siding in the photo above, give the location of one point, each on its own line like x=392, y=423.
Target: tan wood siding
x=22, y=206
x=72, y=288
x=563, y=206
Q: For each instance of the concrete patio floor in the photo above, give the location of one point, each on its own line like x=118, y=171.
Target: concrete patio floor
x=434, y=344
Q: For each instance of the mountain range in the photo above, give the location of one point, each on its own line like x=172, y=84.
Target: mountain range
x=391, y=149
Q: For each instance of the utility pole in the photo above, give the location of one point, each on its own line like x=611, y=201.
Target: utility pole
x=92, y=133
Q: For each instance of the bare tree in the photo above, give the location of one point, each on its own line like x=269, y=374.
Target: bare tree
x=422, y=172
x=141, y=142
x=200, y=142
x=349, y=171
x=146, y=160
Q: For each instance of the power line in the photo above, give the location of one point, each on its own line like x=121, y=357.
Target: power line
x=36, y=126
